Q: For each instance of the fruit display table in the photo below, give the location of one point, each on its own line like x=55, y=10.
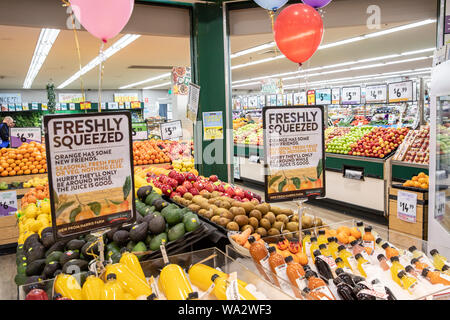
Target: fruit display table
x=402, y=171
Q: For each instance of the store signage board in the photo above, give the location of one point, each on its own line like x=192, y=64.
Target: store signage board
x=311, y=94
x=236, y=167
x=181, y=77
x=70, y=97
x=262, y=101
x=294, y=152
x=300, y=99
x=335, y=96
x=7, y=98
x=439, y=213
x=376, y=94
x=18, y=136
x=289, y=99
x=113, y=106
x=212, y=125
x=90, y=171
x=8, y=203
x=279, y=100
x=323, y=97
x=401, y=92
x=139, y=131
x=406, y=206
x=351, y=95
x=72, y=106
x=171, y=130
x=193, y=101
x=126, y=97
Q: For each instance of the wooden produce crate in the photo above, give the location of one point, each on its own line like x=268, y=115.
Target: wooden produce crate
x=9, y=231
x=418, y=229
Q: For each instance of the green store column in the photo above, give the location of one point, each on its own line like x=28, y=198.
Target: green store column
x=211, y=73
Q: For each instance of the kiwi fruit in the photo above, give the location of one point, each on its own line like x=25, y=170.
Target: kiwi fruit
x=241, y=220
x=215, y=219
x=264, y=223
x=233, y=226
x=248, y=206
x=273, y=232
x=287, y=211
x=227, y=214
x=194, y=207
x=275, y=210
x=237, y=211
x=318, y=222
x=177, y=198
x=188, y=196
x=288, y=235
x=246, y=227
x=223, y=221
x=292, y=226
x=307, y=222
x=256, y=214
x=261, y=231
x=278, y=225
x=294, y=218
x=264, y=208
x=283, y=218
x=271, y=217
x=253, y=222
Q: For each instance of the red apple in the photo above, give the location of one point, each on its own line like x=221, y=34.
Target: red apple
x=230, y=192
x=194, y=191
x=187, y=185
x=181, y=190
x=191, y=177
x=166, y=189
x=239, y=192
x=172, y=174
x=209, y=187
x=237, y=198
x=213, y=178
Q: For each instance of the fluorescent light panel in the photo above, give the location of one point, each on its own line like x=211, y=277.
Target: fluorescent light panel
x=162, y=76
x=113, y=49
x=158, y=85
x=45, y=42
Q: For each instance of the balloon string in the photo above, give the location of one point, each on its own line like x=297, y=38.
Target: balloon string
x=272, y=20
x=100, y=77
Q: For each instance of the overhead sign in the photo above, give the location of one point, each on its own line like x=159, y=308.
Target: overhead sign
x=311, y=94
x=271, y=85
x=90, y=165
x=212, y=125
x=139, y=131
x=376, y=94
x=70, y=97
x=261, y=101
x=407, y=206
x=126, y=97
x=294, y=152
x=193, y=101
x=300, y=99
x=323, y=97
x=401, y=92
x=336, y=96
x=171, y=130
x=8, y=98
x=351, y=95
x=113, y=106
x=253, y=102
x=19, y=136
x=8, y=203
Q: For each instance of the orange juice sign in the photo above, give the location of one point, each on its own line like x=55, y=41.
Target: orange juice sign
x=90, y=171
x=294, y=152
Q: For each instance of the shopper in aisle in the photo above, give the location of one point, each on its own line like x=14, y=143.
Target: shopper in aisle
x=249, y=118
x=7, y=123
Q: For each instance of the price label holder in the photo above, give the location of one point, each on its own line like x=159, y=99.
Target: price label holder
x=376, y=94
x=8, y=203
x=401, y=91
x=440, y=205
x=19, y=136
x=407, y=206
x=171, y=130
x=254, y=159
x=139, y=131
x=353, y=173
x=351, y=95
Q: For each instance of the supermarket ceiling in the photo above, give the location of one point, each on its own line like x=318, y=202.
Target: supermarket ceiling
x=163, y=44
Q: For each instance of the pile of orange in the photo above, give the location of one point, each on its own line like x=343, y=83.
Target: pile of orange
x=35, y=194
x=420, y=181
x=344, y=234
x=148, y=152
x=29, y=158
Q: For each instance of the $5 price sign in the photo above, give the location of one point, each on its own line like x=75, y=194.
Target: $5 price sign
x=171, y=130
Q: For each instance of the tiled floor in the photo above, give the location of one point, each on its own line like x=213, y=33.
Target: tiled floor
x=8, y=289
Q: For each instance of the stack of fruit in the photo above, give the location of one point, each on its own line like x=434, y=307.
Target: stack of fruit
x=415, y=148
x=29, y=158
x=343, y=144
x=35, y=182
x=249, y=134
x=240, y=122
x=379, y=142
x=33, y=218
x=35, y=194
x=360, y=121
x=148, y=152
x=183, y=165
x=178, y=149
x=420, y=181
x=333, y=132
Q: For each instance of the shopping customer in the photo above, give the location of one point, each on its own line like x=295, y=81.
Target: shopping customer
x=7, y=123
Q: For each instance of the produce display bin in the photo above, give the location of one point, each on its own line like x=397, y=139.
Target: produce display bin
x=398, y=239
x=220, y=261
x=402, y=171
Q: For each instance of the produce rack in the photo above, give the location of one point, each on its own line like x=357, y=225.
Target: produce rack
x=402, y=171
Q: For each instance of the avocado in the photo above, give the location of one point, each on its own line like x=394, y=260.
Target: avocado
x=69, y=255
x=189, y=215
x=46, y=230
x=88, y=249
x=121, y=237
x=157, y=225
x=126, y=227
x=47, y=239
x=112, y=246
x=34, y=282
x=20, y=279
x=35, y=252
x=139, y=217
x=168, y=208
x=111, y=232
x=191, y=223
x=115, y=257
x=176, y=232
x=143, y=192
x=22, y=268
x=157, y=213
x=149, y=217
x=57, y=246
x=54, y=256
x=90, y=238
x=139, y=232
x=173, y=216
x=30, y=240
x=21, y=259
x=159, y=204
x=148, y=239
x=139, y=247
x=156, y=242
x=50, y=269
x=75, y=244
x=152, y=196
x=75, y=266
x=20, y=249
x=35, y=268
x=130, y=245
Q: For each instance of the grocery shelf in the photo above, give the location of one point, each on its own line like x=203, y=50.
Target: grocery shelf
x=373, y=167
x=402, y=171
x=246, y=150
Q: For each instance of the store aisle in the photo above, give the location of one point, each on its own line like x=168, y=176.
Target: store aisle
x=8, y=289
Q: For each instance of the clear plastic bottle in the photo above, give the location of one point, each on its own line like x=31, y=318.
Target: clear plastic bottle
x=333, y=247
x=408, y=283
x=395, y=269
x=363, y=265
x=390, y=252
x=384, y=263
x=322, y=239
x=313, y=247
x=260, y=256
x=360, y=227
x=317, y=285
x=67, y=286
x=435, y=277
x=345, y=276
x=296, y=275
x=341, y=265
x=418, y=264
x=174, y=283
x=344, y=290
x=322, y=266
x=347, y=257
x=130, y=282
x=324, y=250
x=132, y=262
x=439, y=261
x=112, y=290
x=357, y=248
x=306, y=243
x=368, y=240
x=220, y=289
x=200, y=276
x=92, y=287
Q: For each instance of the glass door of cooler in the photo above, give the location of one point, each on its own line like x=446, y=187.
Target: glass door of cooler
x=439, y=202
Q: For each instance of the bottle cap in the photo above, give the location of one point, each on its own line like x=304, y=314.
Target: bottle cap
x=124, y=249
x=357, y=279
x=316, y=253
x=409, y=268
x=385, y=245
x=321, y=232
x=57, y=272
x=368, y=229
x=412, y=249
x=445, y=267
x=192, y=296
x=307, y=232
x=358, y=255
x=341, y=247
x=90, y=273
x=272, y=249
x=309, y=274
x=306, y=290
x=57, y=296
x=251, y=239
x=338, y=260
x=378, y=240
x=425, y=272
x=339, y=271
x=288, y=259
x=395, y=258
x=414, y=260
x=111, y=276
x=337, y=281
x=354, y=242
x=322, y=246
x=359, y=224
x=313, y=239
x=214, y=277
x=152, y=297
x=401, y=274
x=375, y=281
x=330, y=239
x=381, y=257
x=306, y=268
x=433, y=252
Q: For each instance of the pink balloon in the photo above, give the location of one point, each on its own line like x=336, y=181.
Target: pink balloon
x=103, y=19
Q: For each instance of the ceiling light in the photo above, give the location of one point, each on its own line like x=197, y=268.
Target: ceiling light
x=45, y=42
x=251, y=50
x=161, y=76
x=113, y=49
x=158, y=85
x=257, y=62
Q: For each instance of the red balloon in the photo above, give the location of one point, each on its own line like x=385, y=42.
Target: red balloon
x=298, y=32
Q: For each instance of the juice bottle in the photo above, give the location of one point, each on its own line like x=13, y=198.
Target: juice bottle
x=357, y=248
x=341, y=265
x=344, y=290
x=313, y=247
x=132, y=262
x=112, y=290
x=322, y=239
x=363, y=265
x=408, y=283
x=260, y=256
x=418, y=264
x=313, y=295
x=347, y=257
x=129, y=281
x=317, y=285
x=345, y=276
x=306, y=243
x=435, y=277
x=67, y=286
x=92, y=287
x=379, y=242
x=296, y=275
x=378, y=286
x=333, y=247
x=200, y=276
x=390, y=252
x=278, y=267
x=322, y=266
x=368, y=239
x=360, y=227
x=174, y=283
x=395, y=269
x=446, y=270
x=220, y=289
x=439, y=261
x=324, y=250
x=384, y=263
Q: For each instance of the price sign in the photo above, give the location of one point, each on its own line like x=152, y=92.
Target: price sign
x=253, y=158
x=279, y=100
x=236, y=166
x=253, y=102
x=376, y=94
x=11, y=107
x=323, y=97
x=63, y=106
x=8, y=203
x=113, y=106
x=289, y=99
x=127, y=104
x=351, y=95
x=135, y=105
x=440, y=205
x=139, y=131
x=212, y=125
x=34, y=106
x=311, y=94
x=392, y=118
x=401, y=92
x=21, y=135
x=171, y=130
x=406, y=206
x=300, y=99
x=262, y=101
x=121, y=105
x=72, y=106
x=336, y=96
x=193, y=99
x=25, y=107
x=18, y=107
